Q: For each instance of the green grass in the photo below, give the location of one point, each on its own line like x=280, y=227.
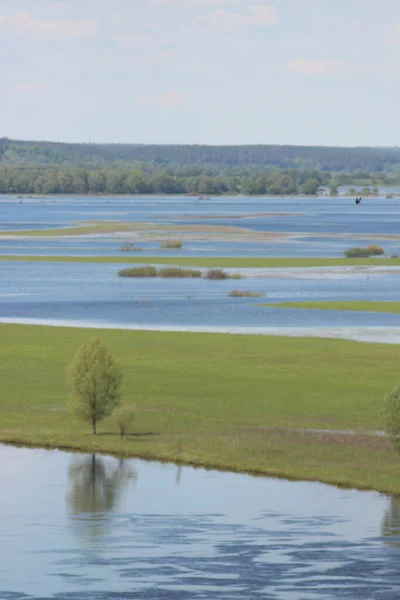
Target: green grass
x=239, y=262
x=357, y=305
x=224, y=401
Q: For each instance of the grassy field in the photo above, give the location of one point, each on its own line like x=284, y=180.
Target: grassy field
x=223, y=401
x=357, y=305
x=223, y=262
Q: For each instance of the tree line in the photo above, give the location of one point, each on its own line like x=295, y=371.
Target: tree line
x=59, y=179
x=282, y=157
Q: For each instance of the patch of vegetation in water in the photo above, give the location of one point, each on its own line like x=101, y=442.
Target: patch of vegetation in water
x=352, y=305
x=365, y=252
x=148, y=271
x=174, y=272
x=178, y=272
x=214, y=262
x=245, y=294
x=173, y=244
x=130, y=247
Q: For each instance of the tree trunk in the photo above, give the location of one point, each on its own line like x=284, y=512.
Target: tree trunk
x=94, y=425
x=122, y=433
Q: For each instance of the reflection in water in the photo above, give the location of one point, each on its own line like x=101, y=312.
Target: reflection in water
x=95, y=487
x=391, y=521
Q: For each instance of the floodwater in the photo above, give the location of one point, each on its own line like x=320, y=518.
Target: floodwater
x=93, y=294
x=80, y=526
x=89, y=294
x=295, y=216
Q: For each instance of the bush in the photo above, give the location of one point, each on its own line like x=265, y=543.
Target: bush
x=245, y=294
x=364, y=252
x=123, y=417
x=171, y=244
x=176, y=272
x=216, y=274
x=138, y=272
x=129, y=247
x=375, y=250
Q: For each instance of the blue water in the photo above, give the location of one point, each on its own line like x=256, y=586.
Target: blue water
x=93, y=293
x=75, y=526
x=317, y=216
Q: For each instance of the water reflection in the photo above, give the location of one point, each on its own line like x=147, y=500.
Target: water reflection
x=95, y=487
x=391, y=521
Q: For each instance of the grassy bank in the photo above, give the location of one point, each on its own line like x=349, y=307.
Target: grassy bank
x=231, y=402
x=354, y=305
x=223, y=261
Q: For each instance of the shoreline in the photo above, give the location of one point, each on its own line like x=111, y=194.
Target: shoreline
x=370, y=335
x=197, y=464
x=189, y=389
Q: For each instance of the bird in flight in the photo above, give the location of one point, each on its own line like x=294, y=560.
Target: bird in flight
x=358, y=200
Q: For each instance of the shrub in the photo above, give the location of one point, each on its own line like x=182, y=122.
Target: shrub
x=176, y=272
x=129, y=247
x=245, y=294
x=375, y=250
x=216, y=274
x=364, y=252
x=138, y=272
x=171, y=244
x=123, y=417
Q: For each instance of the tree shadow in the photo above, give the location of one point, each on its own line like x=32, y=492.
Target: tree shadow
x=129, y=435
x=390, y=527
x=95, y=489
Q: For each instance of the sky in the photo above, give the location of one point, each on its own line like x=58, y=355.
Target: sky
x=302, y=72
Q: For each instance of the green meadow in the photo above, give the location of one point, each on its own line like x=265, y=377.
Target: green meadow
x=223, y=262
x=234, y=402
x=356, y=305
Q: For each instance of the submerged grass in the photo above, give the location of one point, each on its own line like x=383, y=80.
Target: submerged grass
x=215, y=262
x=245, y=294
x=226, y=401
x=171, y=244
x=353, y=305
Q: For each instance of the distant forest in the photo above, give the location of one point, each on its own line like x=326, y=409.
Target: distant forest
x=57, y=168
x=282, y=157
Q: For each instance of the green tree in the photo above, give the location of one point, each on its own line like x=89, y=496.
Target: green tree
x=391, y=417
x=309, y=187
x=95, y=381
x=124, y=417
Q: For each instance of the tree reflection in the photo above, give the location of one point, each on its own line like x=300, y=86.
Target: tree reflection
x=391, y=521
x=95, y=488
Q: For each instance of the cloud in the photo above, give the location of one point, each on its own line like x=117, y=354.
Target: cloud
x=197, y=2
x=392, y=36
x=132, y=39
x=31, y=87
x=165, y=101
x=305, y=66
x=255, y=15
x=22, y=23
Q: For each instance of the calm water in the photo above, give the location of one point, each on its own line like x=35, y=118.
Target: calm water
x=93, y=293
x=317, y=216
x=77, y=526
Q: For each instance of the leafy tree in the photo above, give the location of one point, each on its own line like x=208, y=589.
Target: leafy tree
x=391, y=417
x=95, y=380
x=124, y=417
x=309, y=187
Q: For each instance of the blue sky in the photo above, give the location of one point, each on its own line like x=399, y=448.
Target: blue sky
x=201, y=71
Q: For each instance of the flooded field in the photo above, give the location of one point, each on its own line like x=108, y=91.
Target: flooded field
x=98, y=527
x=250, y=226
x=93, y=295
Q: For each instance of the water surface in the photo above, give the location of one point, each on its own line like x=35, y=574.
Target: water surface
x=80, y=526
